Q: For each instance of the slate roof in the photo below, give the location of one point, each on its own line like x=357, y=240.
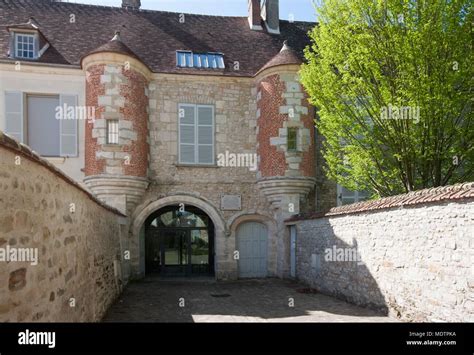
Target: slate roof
x=115, y=45
x=287, y=55
x=154, y=36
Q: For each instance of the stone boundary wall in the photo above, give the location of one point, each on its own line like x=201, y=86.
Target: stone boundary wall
x=411, y=256
x=76, y=273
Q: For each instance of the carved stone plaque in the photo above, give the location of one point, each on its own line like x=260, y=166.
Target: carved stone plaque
x=231, y=202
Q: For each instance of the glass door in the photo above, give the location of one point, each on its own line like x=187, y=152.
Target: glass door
x=199, y=250
x=175, y=257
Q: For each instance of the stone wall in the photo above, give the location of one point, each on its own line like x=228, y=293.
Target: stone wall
x=78, y=273
x=411, y=255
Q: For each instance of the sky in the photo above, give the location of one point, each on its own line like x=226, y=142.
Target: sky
x=299, y=10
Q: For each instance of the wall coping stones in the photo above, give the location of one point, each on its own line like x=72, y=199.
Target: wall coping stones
x=11, y=144
x=436, y=194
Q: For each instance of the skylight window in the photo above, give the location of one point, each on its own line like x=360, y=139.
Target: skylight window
x=185, y=59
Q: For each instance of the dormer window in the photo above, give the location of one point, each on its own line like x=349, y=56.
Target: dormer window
x=27, y=41
x=25, y=46
x=188, y=59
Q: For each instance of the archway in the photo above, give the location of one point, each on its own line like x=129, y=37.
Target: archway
x=223, y=266
x=179, y=242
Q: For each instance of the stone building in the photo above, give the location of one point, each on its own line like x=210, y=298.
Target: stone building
x=196, y=127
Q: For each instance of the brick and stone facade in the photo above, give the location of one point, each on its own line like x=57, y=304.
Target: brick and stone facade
x=135, y=81
x=117, y=88
x=251, y=117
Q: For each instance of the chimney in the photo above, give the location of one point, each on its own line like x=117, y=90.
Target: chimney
x=271, y=16
x=131, y=4
x=255, y=19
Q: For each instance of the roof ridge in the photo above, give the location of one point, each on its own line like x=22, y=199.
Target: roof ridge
x=120, y=9
x=117, y=8
x=200, y=33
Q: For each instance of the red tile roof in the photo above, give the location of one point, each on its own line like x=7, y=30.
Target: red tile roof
x=154, y=36
x=436, y=194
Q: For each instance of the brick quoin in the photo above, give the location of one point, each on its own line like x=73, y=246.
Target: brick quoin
x=135, y=110
x=94, y=89
x=272, y=160
x=308, y=162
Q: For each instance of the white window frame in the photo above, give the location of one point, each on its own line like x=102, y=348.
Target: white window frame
x=21, y=113
x=26, y=35
x=203, y=60
x=357, y=196
x=24, y=120
x=112, y=133
x=196, y=134
x=62, y=99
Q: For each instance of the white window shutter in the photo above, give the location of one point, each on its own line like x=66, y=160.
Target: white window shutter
x=68, y=126
x=205, y=139
x=14, y=115
x=187, y=134
x=36, y=47
x=12, y=45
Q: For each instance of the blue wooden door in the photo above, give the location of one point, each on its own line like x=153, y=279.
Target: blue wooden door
x=293, y=251
x=252, y=244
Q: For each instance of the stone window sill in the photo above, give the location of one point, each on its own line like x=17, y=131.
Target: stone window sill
x=56, y=160
x=196, y=166
x=112, y=147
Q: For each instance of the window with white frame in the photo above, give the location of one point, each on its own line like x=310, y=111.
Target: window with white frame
x=25, y=46
x=346, y=197
x=292, y=139
x=38, y=121
x=196, y=134
x=188, y=59
x=112, y=131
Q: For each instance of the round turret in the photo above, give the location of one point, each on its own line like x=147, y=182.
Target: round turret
x=285, y=136
x=116, y=149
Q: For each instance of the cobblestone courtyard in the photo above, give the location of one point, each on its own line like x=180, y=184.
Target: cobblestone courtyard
x=153, y=300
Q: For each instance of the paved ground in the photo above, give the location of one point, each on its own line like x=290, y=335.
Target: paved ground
x=153, y=300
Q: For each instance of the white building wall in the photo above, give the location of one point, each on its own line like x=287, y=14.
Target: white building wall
x=35, y=79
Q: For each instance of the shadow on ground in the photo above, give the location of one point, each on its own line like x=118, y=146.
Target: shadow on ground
x=264, y=300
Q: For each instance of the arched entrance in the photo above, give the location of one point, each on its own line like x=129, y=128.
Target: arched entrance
x=179, y=242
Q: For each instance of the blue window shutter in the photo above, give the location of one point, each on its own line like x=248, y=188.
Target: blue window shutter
x=187, y=133
x=14, y=115
x=205, y=134
x=36, y=47
x=12, y=45
x=68, y=127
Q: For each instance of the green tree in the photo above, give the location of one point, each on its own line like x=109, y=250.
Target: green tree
x=392, y=81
